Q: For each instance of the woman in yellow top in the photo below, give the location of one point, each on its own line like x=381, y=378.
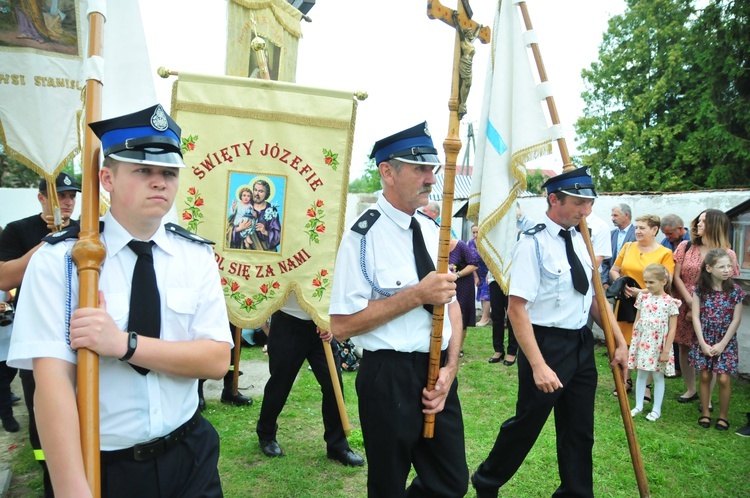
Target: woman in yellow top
x=634, y=257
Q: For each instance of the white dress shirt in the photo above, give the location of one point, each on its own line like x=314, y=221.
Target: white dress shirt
x=133, y=408
x=389, y=263
x=540, y=274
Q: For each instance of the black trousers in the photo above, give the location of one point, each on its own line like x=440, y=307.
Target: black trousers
x=570, y=353
x=389, y=387
x=499, y=308
x=189, y=470
x=291, y=341
x=29, y=387
x=6, y=377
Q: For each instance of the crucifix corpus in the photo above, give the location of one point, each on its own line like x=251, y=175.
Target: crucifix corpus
x=467, y=31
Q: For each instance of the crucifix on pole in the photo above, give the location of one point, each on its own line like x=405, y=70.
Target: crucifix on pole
x=467, y=31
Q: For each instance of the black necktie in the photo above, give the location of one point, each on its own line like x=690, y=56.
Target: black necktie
x=580, y=282
x=421, y=256
x=145, y=303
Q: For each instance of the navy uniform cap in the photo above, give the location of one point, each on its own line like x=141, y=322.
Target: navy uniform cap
x=148, y=137
x=413, y=145
x=577, y=183
x=63, y=183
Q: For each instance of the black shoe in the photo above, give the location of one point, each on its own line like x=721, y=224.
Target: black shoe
x=10, y=424
x=235, y=399
x=14, y=398
x=496, y=359
x=689, y=399
x=347, y=458
x=510, y=363
x=270, y=448
x=483, y=492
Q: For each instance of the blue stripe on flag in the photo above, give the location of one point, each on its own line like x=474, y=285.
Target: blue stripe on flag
x=495, y=139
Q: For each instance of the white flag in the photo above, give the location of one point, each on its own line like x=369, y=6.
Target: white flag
x=42, y=77
x=512, y=131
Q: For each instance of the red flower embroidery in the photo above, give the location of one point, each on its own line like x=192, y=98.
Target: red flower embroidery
x=264, y=288
x=248, y=301
x=323, y=273
x=276, y=285
x=223, y=281
x=319, y=203
x=235, y=286
x=192, y=191
x=320, y=228
x=191, y=145
x=186, y=216
x=329, y=160
x=311, y=213
x=316, y=282
x=199, y=201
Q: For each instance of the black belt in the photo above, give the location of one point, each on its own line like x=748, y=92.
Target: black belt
x=157, y=446
x=413, y=356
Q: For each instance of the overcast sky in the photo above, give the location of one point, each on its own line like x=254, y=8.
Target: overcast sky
x=391, y=50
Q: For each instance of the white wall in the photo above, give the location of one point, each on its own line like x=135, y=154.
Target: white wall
x=17, y=203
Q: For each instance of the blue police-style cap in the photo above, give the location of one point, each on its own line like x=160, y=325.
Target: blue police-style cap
x=63, y=183
x=147, y=137
x=577, y=183
x=413, y=145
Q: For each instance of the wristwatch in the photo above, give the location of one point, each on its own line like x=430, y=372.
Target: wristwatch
x=132, y=344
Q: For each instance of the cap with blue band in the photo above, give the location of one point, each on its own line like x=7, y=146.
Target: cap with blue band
x=577, y=183
x=413, y=145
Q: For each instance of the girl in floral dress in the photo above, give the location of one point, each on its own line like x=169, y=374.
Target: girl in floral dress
x=717, y=311
x=653, y=333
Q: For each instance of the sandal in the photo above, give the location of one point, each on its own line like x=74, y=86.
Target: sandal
x=653, y=416
x=704, y=422
x=724, y=426
x=629, y=382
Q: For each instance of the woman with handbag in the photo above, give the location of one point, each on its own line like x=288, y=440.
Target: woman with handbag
x=633, y=258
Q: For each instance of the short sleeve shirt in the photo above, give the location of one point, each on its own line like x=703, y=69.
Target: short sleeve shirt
x=133, y=408
x=540, y=274
x=387, y=261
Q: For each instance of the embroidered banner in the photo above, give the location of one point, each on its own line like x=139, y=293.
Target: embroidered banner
x=266, y=179
x=42, y=75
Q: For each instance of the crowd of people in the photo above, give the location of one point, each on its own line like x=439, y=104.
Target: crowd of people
x=154, y=439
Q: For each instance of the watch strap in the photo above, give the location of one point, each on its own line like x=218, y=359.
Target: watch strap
x=132, y=344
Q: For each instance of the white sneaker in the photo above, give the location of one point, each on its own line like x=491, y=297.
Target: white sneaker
x=635, y=411
x=653, y=416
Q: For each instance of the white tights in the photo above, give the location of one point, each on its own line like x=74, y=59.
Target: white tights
x=657, y=392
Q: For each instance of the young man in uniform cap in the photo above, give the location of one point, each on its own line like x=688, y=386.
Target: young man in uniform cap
x=18, y=242
x=155, y=336
x=384, y=281
x=550, y=297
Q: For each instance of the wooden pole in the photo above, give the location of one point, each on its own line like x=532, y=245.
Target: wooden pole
x=337, y=388
x=237, y=351
x=452, y=146
x=88, y=254
x=635, y=449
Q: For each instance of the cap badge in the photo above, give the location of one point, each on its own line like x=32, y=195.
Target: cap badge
x=426, y=131
x=66, y=181
x=159, y=119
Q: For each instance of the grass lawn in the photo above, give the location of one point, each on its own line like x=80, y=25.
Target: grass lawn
x=681, y=458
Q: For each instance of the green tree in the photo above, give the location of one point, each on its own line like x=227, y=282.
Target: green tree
x=666, y=104
x=534, y=181
x=13, y=174
x=369, y=182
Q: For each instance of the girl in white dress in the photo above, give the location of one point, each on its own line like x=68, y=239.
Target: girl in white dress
x=653, y=333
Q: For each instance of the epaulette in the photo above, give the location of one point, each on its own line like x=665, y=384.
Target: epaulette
x=366, y=221
x=178, y=230
x=429, y=217
x=535, y=229
x=69, y=233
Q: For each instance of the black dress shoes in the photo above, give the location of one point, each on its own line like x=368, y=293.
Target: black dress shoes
x=14, y=398
x=270, y=448
x=235, y=399
x=347, y=458
x=10, y=424
x=496, y=359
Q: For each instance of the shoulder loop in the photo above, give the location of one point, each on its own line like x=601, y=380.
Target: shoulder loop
x=178, y=230
x=69, y=233
x=535, y=229
x=430, y=218
x=366, y=221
